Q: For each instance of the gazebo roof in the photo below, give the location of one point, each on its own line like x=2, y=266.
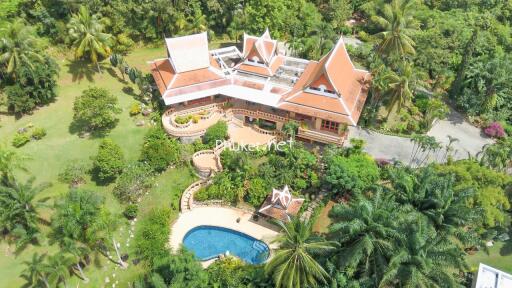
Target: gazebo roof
x=281, y=204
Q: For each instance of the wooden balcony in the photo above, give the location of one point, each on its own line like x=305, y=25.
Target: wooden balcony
x=321, y=136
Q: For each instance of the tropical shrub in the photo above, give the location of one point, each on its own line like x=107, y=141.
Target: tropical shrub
x=218, y=131
x=183, y=119
x=152, y=235
x=34, y=86
x=95, y=110
x=20, y=139
x=490, y=197
x=159, y=151
x=222, y=188
x=257, y=191
x=230, y=272
x=354, y=173
x=38, y=133
x=130, y=212
x=134, y=182
x=495, y=130
x=177, y=270
x=135, y=109
x=74, y=173
x=109, y=162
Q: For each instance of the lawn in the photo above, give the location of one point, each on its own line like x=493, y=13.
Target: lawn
x=48, y=157
x=500, y=257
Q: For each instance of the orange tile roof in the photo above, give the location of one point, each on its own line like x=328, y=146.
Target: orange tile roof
x=255, y=69
x=335, y=71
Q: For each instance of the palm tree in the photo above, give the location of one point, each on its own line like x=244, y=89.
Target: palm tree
x=398, y=24
x=10, y=160
x=423, y=259
x=293, y=264
x=366, y=230
x=401, y=86
x=36, y=271
x=290, y=129
x=433, y=195
x=79, y=252
x=58, y=269
x=18, y=47
x=19, y=210
x=320, y=40
x=197, y=23
x=88, y=37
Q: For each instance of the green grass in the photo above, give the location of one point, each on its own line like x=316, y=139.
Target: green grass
x=500, y=257
x=50, y=155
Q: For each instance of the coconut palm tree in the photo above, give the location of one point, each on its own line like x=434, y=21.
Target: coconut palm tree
x=18, y=46
x=398, y=24
x=320, y=40
x=366, y=230
x=19, y=210
x=197, y=23
x=36, y=271
x=88, y=37
x=400, y=86
x=293, y=264
x=290, y=129
x=423, y=259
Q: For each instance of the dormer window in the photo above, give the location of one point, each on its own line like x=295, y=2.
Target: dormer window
x=256, y=59
x=322, y=90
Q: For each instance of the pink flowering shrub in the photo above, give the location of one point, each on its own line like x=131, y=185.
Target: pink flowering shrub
x=495, y=130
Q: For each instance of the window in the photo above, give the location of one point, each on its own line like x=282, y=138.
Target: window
x=330, y=126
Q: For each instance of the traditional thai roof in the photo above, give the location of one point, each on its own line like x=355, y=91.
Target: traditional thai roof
x=281, y=204
x=331, y=88
x=180, y=50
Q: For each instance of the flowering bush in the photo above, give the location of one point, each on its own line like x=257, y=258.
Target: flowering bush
x=495, y=130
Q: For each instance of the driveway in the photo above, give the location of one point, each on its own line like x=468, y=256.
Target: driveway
x=470, y=139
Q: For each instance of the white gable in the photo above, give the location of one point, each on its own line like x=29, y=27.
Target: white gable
x=188, y=53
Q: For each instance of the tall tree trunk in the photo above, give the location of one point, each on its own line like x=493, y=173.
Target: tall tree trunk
x=461, y=71
x=123, y=264
x=82, y=274
x=45, y=281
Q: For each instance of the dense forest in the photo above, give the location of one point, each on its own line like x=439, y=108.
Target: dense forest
x=392, y=225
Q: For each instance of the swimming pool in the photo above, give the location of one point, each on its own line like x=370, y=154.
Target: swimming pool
x=208, y=242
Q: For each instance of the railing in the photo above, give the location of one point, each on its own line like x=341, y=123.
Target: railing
x=205, y=169
x=259, y=114
x=187, y=198
x=320, y=137
x=209, y=107
x=263, y=131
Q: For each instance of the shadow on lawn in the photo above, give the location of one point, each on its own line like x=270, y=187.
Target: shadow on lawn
x=80, y=69
x=506, y=249
x=79, y=128
x=113, y=73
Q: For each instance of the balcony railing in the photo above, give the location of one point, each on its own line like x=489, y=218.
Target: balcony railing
x=322, y=137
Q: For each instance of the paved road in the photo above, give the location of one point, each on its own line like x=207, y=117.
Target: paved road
x=470, y=139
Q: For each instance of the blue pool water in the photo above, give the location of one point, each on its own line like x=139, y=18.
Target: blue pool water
x=208, y=242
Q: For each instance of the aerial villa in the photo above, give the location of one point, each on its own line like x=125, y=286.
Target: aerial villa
x=258, y=90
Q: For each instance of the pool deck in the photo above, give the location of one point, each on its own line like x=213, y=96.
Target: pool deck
x=221, y=217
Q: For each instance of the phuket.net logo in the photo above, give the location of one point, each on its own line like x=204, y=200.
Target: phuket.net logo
x=250, y=147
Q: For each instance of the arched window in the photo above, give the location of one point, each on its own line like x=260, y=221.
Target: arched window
x=322, y=88
x=256, y=59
